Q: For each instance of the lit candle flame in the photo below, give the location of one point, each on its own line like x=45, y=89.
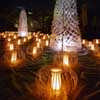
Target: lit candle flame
x=15, y=36
x=56, y=79
x=29, y=37
x=34, y=50
x=83, y=42
x=92, y=47
x=38, y=45
x=4, y=36
x=11, y=47
x=97, y=41
x=66, y=60
x=14, y=57
x=44, y=37
x=19, y=42
x=9, y=39
x=90, y=43
x=39, y=40
x=24, y=40
x=47, y=42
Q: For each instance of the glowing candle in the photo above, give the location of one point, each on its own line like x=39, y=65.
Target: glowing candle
x=9, y=34
x=11, y=47
x=37, y=39
x=66, y=60
x=19, y=42
x=92, y=47
x=4, y=36
x=9, y=39
x=83, y=42
x=47, y=42
x=44, y=37
x=56, y=79
x=38, y=45
x=15, y=37
x=14, y=57
x=34, y=51
x=29, y=37
x=24, y=40
x=36, y=36
x=90, y=43
x=97, y=41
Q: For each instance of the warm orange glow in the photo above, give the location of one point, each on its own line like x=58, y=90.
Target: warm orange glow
x=34, y=51
x=90, y=43
x=37, y=39
x=97, y=41
x=11, y=47
x=47, y=43
x=83, y=42
x=66, y=60
x=4, y=36
x=56, y=79
x=9, y=34
x=44, y=37
x=14, y=57
x=92, y=47
x=19, y=42
x=9, y=39
x=29, y=37
x=38, y=45
x=15, y=36
x=24, y=40
x=36, y=35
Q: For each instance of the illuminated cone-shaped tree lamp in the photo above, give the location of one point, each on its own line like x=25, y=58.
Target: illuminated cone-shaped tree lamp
x=23, y=28
x=65, y=27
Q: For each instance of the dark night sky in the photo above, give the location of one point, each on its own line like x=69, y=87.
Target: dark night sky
x=8, y=6
x=25, y=3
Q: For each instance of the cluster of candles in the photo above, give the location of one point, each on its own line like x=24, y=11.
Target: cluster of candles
x=91, y=45
x=67, y=61
x=40, y=41
x=15, y=42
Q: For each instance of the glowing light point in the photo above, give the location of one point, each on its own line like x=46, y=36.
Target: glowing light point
x=24, y=40
x=56, y=79
x=11, y=47
x=9, y=39
x=19, y=42
x=97, y=41
x=38, y=45
x=66, y=60
x=83, y=42
x=34, y=51
x=92, y=47
x=47, y=43
x=14, y=57
x=15, y=37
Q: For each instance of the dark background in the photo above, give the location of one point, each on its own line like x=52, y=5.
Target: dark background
x=40, y=15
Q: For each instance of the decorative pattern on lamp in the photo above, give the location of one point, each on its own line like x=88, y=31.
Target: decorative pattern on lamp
x=65, y=27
